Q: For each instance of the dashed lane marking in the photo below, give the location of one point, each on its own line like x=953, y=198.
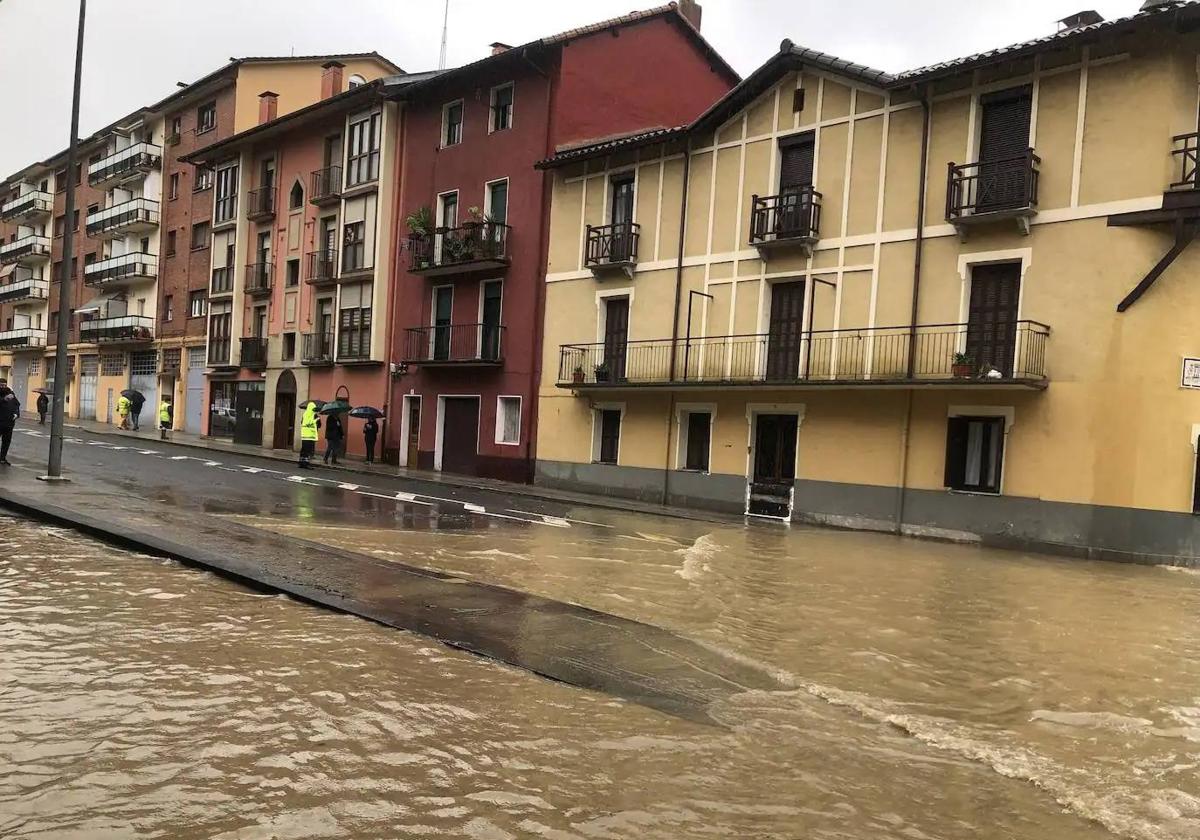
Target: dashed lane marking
x=350, y=487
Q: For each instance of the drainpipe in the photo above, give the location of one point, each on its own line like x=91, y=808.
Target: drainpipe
x=393, y=282
x=539, y=311
x=683, y=203
x=905, y=437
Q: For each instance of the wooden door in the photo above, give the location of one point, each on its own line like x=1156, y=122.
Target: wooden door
x=794, y=216
x=616, y=339
x=775, y=448
x=460, y=435
x=414, y=431
x=285, y=421
x=621, y=218
x=1003, y=137
x=489, y=330
x=248, y=408
x=443, y=310
x=992, y=319
x=786, y=330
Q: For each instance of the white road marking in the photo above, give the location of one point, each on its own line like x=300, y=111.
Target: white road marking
x=474, y=508
x=212, y=463
x=350, y=487
x=297, y=479
x=180, y=458
x=147, y=452
x=393, y=498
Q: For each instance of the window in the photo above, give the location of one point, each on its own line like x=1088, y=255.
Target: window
x=60, y=225
x=35, y=366
x=296, y=198
x=696, y=429
x=452, y=124
x=220, y=328
x=508, y=420
x=227, y=187
x=168, y=312
x=354, y=328
x=174, y=189
x=206, y=117
x=974, y=453
x=362, y=161
x=356, y=81
x=289, y=347
x=78, y=174
x=354, y=253
x=608, y=442
x=170, y=243
x=60, y=180
x=197, y=305
x=293, y=273
x=496, y=201
x=176, y=130
x=75, y=216
x=201, y=234
x=54, y=323
x=502, y=108
x=112, y=364
x=204, y=179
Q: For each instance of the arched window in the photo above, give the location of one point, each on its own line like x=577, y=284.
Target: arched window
x=296, y=199
x=357, y=80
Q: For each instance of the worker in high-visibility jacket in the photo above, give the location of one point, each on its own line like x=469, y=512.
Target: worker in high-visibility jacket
x=165, y=417
x=124, y=404
x=309, y=424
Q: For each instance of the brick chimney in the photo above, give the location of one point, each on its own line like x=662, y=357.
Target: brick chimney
x=268, y=106
x=331, y=78
x=498, y=48
x=691, y=10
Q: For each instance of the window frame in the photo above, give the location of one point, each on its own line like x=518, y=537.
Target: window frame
x=362, y=148
x=493, y=113
x=168, y=310
x=960, y=421
x=172, y=238
x=202, y=111
x=683, y=414
x=195, y=297
x=500, y=401
x=207, y=239
x=173, y=186
x=462, y=120
x=487, y=197
x=205, y=178
x=598, y=412
x=225, y=199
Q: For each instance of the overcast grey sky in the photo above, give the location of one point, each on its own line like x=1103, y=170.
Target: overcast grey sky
x=137, y=50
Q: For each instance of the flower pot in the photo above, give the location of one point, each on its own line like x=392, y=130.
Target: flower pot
x=961, y=371
x=577, y=377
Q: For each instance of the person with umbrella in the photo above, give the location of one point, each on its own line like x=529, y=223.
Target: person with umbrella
x=309, y=424
x=136, y=401
x=370, y=428
x=10, y=410
x=334, y=435
x=43, y=407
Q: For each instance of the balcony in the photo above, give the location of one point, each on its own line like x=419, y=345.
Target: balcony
x=120, y=271
x=30, y=205
x=325, y=186
x=316, y=349
x=612, y=248
x=479, y=246
x=27, y=250
x=455, y=345
x=24, y=289
x=258, y=278
x=260, y=204
x=127, y=329
x=125, y=165
x=22, y=339
x=322, y=268
x=222, y=281
x=878, y=357
x=254, y=353
x=992, y=191
x=138, y=215
x=789, y=219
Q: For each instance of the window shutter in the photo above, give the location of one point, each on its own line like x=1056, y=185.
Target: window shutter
x=796, y=164
x=1005, y=126
x=956, y=452
x=797, y=100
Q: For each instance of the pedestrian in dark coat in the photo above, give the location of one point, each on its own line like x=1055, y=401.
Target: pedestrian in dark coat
x=10, y=410
x=334, y=435
x=137, y=401
x=370, y=435
x=43, y=408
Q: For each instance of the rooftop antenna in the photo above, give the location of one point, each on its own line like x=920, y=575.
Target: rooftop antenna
x=445, y=27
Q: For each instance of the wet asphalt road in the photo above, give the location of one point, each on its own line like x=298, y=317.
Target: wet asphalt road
x=224, y=483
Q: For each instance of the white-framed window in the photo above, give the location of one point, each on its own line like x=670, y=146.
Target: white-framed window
x=362, y=152
x=695, y=423
x=225, y=209
x=607, y=419
x=452, y=123
x=501, y=113
x=356, y=81
x=495, y=200
x=508, y=421
x=975, y=441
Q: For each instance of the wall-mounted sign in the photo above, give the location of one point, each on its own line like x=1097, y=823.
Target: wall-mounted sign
x=1190, y=376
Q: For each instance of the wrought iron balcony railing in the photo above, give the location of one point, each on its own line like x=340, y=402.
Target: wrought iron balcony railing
x=137, y=214
x=258, y=278
x=992, y=188
x=32, y=203
x=127, y=267
x=325, y=185
x=130, y=162
x=123, y=328
x=260, y=204
x=612, y=245
x=455, y=344
x=474, y=246
x=254, y=352
x=879, y=356
x=322, y=267
x=793, y=216
x=317, y=349
x=27, y=249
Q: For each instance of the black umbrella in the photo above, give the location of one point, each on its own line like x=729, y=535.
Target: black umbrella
x=335, y=407
x=132, y=394
x=366, y=412
x=47, y=391
x=304, y=404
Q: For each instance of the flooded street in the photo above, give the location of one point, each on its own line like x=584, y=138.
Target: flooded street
x=940, y=692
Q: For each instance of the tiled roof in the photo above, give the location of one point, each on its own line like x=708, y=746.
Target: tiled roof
x=613, y=144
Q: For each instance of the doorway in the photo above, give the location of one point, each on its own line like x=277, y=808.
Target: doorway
x=616, y=339
x=785, y=332
x=773, y=466
x=285, y=412
x=248, y=409
x=459, y=443
x=88, y=381
x=412, y=434
x=992, y=317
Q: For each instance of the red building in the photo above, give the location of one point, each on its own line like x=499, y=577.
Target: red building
x=474, y=219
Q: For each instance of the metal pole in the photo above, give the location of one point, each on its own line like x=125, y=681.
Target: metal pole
x=54, y=465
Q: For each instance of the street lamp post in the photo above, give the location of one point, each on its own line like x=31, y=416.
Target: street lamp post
x=54, y=464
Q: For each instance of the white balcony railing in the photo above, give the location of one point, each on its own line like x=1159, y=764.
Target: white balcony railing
x=139, y=157
x=31, y=203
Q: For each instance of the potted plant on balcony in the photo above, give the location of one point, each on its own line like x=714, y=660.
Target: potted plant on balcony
x=577, y=375
x=962, y=366
x=602, y=372
x=420, y=226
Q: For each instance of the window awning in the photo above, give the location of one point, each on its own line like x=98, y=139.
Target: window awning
x=98, y=303
x=7, y=270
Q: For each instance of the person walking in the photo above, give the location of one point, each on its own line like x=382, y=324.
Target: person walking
x=10, y=410
x=166, y=417
x=123, y=406
x=334, y=435
x=136, y=403
x=43, y=408
x=370, y=435
x=309, y=424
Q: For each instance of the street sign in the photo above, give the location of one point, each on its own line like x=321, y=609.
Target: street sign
x=1190, y=376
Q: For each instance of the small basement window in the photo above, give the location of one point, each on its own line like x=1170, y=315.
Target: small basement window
x=974, y=453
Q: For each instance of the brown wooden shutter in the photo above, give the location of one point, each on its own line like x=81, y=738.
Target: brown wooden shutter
x=796, y=164
x=1004, y=130
x=956, y=452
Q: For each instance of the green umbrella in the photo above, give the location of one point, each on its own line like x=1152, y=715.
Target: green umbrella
x=335, y=407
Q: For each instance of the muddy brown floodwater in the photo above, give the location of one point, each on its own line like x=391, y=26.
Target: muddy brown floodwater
x=940, y=692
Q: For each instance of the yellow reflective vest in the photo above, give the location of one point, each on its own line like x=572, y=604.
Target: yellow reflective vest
x=308, y=424
x=164, y=413
x=123, y=405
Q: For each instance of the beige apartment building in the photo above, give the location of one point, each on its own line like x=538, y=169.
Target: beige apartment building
x=954, y=302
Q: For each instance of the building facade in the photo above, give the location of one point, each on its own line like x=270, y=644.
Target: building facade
x=922, y=303
x=468, y=296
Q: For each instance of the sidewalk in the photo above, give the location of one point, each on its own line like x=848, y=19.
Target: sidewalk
x=194, y=441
